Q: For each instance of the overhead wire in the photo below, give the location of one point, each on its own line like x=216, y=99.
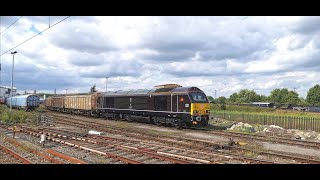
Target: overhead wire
x=35, y=35
x=11, y=24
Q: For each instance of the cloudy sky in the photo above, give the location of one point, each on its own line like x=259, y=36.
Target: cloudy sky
x=226, y=54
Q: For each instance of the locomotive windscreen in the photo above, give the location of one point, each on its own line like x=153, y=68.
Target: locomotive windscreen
x=198, y=97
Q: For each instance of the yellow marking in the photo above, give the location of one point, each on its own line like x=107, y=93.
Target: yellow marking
x=200, y=107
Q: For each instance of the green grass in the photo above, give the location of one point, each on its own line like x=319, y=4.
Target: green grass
x=236, y=110
x=217, y=107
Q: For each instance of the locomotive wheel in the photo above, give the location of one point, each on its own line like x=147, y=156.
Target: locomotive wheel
x=205, y=123
x=156, y=122
x=184, y=125
x=127, y=117
x=178, y=124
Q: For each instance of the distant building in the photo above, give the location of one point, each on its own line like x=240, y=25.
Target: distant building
x=5, y=93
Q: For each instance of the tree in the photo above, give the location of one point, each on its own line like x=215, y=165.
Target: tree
x=284, y=96
x=292, y=98
x=279, y=95
x=303, y=102
x=313, y=96
x=210, y=99
x=263, y=98
x=247, y=96
x=93, y=88
x=233, y=98
x=221, y=100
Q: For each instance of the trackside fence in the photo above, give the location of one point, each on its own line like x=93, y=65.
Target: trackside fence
x=288, y=122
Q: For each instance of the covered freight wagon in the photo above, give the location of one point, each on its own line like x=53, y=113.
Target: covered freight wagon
x=80, y=102
x=27, y=102
x=57, y=102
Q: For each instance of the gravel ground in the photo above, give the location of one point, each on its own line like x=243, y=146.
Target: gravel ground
x=6, y=158
x=205, y=136
x=83, y=155
x=32, y=157
x=291, y=149
x=156, y=128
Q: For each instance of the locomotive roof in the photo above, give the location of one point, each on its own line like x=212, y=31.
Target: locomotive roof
x=177, y=90
x=130, y=92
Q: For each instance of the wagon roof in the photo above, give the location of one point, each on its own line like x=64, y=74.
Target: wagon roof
x=25, y=96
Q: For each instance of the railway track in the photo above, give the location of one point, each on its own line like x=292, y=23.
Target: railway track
x=34, y=155
x=8, y=156
x=126, y=154
x=161, y=152
x=263, y=138
x=282, y=140
x=205, y=145
x=167, y=141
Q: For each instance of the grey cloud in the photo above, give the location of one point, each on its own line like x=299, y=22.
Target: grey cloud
x=7, y=20
x=19, y=66
x=113, y=69
x=309, y=62
x=31, y=77
x=87, y=39
x=316, y=40
x=307, y=25
x=180, y=55
x=169, y=44
x=196, y=68
x=84, y=59
x=212, y=40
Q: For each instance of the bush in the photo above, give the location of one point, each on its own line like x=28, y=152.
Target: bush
x=3, y=108
x=14, y=116
x=34, y=118
x=20, y=116
x=223, y=107
x=6, y=117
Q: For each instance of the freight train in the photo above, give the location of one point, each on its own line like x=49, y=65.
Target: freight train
x=169, y=104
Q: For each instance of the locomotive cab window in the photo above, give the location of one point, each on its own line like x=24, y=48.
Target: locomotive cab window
x=198, y=97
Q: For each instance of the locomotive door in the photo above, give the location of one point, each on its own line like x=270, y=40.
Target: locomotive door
x=180, y=103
